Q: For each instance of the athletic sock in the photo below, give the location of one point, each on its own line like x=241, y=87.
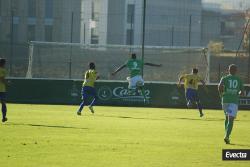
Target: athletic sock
x=81, y=107
x=226, y=122
x=143, y=92
x=199, y=107
x=4, y=110
x=93, y=102
x=229, y=128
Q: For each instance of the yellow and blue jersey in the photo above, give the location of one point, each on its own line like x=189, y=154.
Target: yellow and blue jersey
x=3, y=73
x=90, y=77
x=191, y=81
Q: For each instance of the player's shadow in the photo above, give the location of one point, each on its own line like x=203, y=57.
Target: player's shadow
x=205, y=119
x=200, y=119
x=128, y=117
x=169, y=118
x=45, y=126
x=243, y=145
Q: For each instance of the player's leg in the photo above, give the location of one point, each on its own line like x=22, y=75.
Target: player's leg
x=189, y=98
x=230, y=114
x=4, y=111
x=140, y=86
x=4, y=107
x=229, y=128
x=131, y=85
x=199, y=106
x=198, y=102
x=84, y=99
x=93, y=102
x=226, y=122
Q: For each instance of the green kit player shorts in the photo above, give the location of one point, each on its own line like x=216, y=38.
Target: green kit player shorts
x=135, y=81
x=230, y=109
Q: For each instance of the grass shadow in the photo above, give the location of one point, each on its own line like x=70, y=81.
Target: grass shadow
x=44, y=126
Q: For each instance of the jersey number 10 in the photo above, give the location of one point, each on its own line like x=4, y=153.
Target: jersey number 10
x=233, y=84
x=135, y=65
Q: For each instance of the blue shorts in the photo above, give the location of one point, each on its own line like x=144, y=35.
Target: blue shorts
x=192, y=95
x=3, y=96
x=230, y=109
x=88, y=91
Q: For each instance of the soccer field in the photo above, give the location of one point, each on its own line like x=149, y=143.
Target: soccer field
x=54, y=136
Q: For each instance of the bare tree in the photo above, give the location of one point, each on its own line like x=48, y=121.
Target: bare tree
x=247, y=34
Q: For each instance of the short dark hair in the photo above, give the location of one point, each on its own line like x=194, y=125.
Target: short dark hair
x=2, y=61
x=92, y=65
x=133, y=55
x=232, y=69
x=195, y=70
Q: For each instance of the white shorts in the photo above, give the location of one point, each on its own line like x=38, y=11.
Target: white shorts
x=134, y=81
x=230, y=109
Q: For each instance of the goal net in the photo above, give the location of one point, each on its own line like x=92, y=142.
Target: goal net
x=70, y=60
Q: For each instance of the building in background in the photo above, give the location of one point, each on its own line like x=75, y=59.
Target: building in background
x=211, y=23
x=168, y=22
x=222, y=25
x=22, y=21
x=232, y=27
x=40, y=20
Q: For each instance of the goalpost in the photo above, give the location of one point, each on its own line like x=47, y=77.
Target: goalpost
x=58, y=60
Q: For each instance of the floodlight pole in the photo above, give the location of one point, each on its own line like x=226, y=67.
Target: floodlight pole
x=11, y=37
x=143, y=33
x=172, y=36
x=248, y=70
x=131, y=30
x=71, y=40
x=189, y=31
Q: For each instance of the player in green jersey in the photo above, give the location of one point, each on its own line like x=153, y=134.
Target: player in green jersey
x=135, y=79
x=230, y=88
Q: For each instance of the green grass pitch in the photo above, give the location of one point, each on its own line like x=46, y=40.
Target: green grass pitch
x=54, y=136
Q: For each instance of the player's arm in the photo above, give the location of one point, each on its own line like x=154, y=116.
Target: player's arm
x=242, y=91
x=203, y=82
x=97, y=76
x=119, y=69
x=221, y=87
x=86, y=76
x=2, y=79
x=153, y=65
x=180, y=80
x=204, y=85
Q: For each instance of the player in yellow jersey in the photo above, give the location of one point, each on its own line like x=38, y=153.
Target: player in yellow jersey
x=191, y=88
x=3, y=89
x=88, y=88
